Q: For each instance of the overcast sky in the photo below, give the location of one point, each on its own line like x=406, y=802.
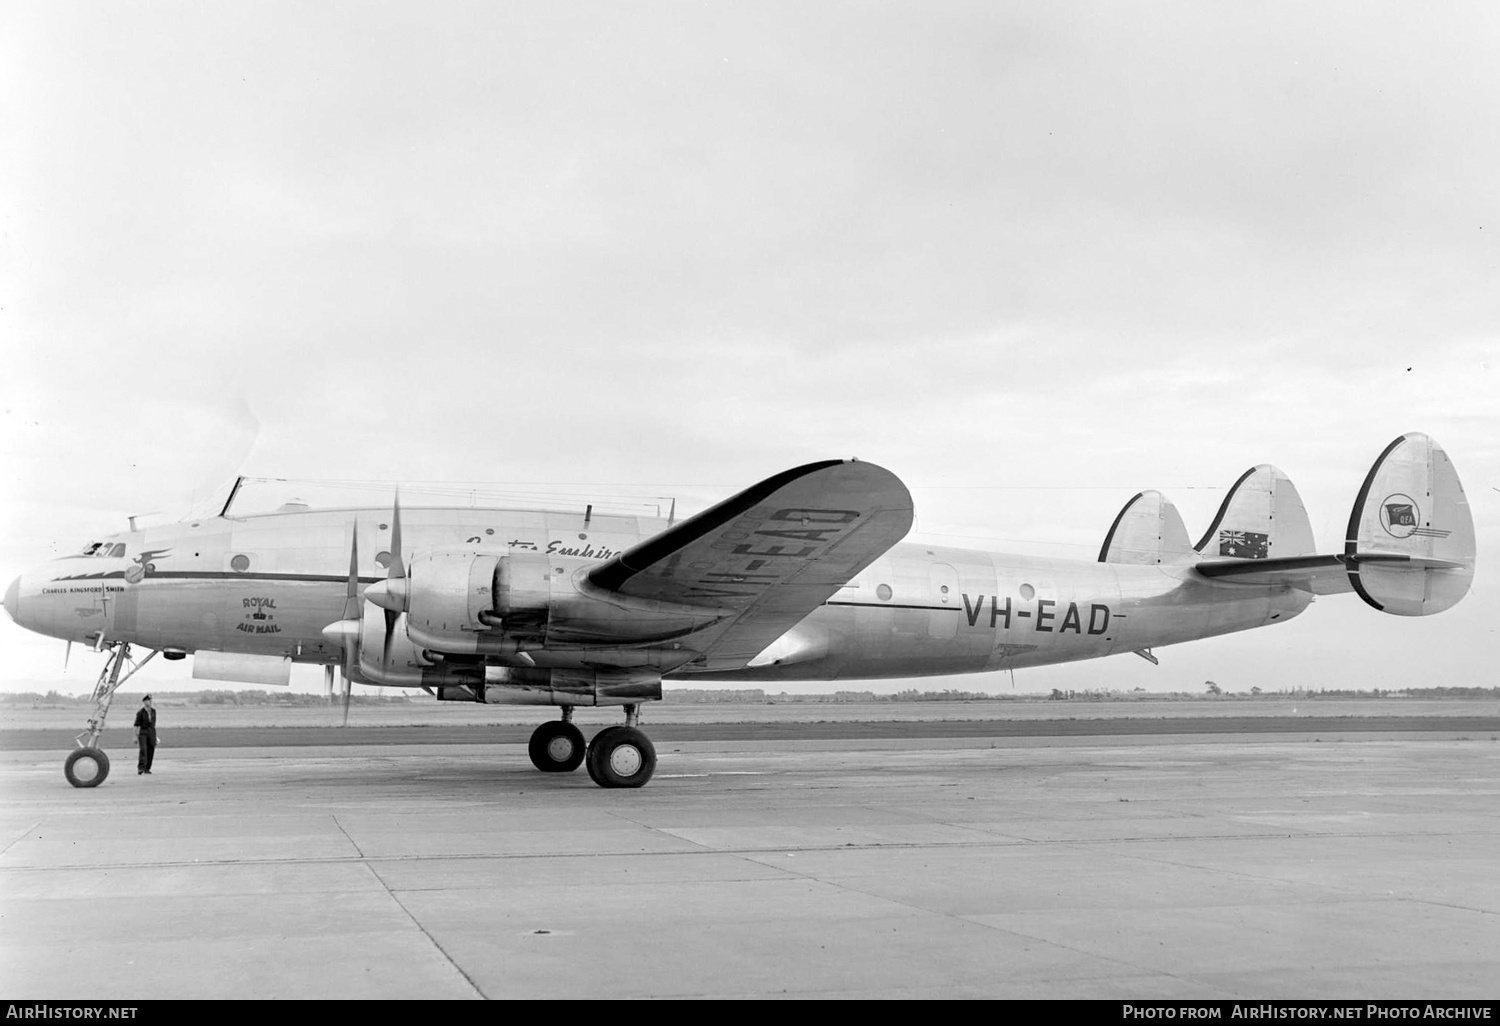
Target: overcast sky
x=1032, y=257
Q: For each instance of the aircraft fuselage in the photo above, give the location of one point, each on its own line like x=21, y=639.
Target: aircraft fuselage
x=270, y=584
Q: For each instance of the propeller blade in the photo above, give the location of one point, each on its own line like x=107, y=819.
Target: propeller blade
x=351, y=657
x=390, y=632
x=328, y=681
x=352, y=605
x=397, y=569
x=354, y=611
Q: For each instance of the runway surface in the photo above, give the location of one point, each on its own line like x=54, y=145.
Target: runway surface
x=1337, y=863
x=810, y=728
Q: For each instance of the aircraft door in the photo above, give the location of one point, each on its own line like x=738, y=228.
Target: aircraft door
x=115, y=602
x=943, y=601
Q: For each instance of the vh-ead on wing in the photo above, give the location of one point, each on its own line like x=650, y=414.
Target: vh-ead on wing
x=768, y=556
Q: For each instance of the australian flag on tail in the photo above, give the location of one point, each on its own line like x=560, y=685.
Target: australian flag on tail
x=1244, y=544
x=1401, y=514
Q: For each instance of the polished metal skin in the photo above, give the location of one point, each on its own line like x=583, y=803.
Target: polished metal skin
x=801, y=577
x=917, y=610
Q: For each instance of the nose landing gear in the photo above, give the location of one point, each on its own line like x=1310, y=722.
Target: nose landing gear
x=87, y=765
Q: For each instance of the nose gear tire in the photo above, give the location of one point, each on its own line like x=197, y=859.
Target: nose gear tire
x=86, y=767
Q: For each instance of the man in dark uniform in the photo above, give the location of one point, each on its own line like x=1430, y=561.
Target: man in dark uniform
x=145, y=735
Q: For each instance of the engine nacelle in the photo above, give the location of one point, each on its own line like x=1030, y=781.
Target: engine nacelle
x=527, y=585
x=462, y=602
x=448, y=592
x=404, y=665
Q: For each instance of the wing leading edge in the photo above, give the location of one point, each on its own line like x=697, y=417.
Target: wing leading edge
x=768, y=556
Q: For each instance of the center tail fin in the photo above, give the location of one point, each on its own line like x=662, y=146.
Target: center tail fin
x=1262, y=517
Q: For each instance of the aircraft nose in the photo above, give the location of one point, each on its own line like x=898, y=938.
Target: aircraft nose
x=12, y=598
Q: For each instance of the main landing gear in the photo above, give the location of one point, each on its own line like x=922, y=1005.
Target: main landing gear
x=557, y=746
x=87, y=765
x=620, y=756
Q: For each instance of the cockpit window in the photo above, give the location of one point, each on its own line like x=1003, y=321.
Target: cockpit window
x=101, y=549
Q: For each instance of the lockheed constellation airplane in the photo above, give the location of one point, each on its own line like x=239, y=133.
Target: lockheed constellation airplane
x=803, y=576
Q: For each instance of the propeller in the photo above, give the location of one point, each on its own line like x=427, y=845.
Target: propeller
x=328, y=687
x=353, y=611
x=393, y=573
x=347, y=630
x=390, y=594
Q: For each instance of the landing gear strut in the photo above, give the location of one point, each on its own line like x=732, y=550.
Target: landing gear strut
x=622, y=756
x=87, y=765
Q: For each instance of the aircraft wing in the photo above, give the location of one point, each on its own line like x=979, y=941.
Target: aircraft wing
x=1321, y=575
x=768, y=556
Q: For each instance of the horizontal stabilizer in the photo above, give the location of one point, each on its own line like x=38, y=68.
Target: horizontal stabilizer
x=1262, y=517
x=1149, y=530
x=1321, y=575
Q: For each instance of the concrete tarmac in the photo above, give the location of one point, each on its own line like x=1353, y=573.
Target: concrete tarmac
x=1301, y=865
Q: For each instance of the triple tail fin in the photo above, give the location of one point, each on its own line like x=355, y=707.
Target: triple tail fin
x=1149, y=530
x=1409, y=549
x=1262, y=517
x=1410, y=543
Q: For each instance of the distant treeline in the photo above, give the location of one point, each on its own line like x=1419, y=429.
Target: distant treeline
x=758, y=696
x=247, y=697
